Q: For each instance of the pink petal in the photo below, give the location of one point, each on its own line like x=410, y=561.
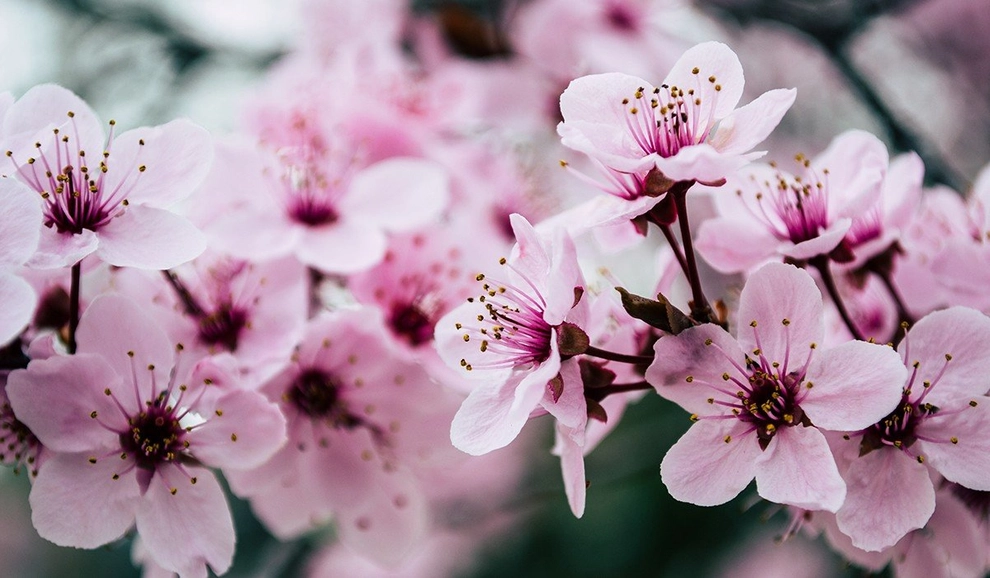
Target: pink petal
x=967, y=461
x=571, y=454
x=562, y=278
x=177, y=157
x=597, y=98
x=79, y=504
x=20, y=223
x=856, y=162
x=43, y=108
x=494, y=413
x=799, y=470
x=711, y=59
x=825, y=241
x=775, y=293
x=56, y=397
x=959, y=332
x=680, y=357
x=19, y=301
x=733, y=246
x=387, y=525
x=249, y=233
x=57, y=250
x=902, y=189
x=855, y=385
x=702, y=162
x=189, y=529
x=750, y=125
x=113, y=327
x=398, y=194
x=705, y=470
x=570, y=409
x=888, y=494
x=344, y=247
x=149, y=238
x=244, y=431
x=530, y=254
x=951, y=545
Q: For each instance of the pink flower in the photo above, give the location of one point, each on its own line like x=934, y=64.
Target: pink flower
x=105, y=195
x=129, y=441
x=942, y=420
x=773, y=214
x=312, y=202
x=19, y=447
x=688, y=127
x=506, y=339
x=362, y=421
x=20, y=226
x=759, y=400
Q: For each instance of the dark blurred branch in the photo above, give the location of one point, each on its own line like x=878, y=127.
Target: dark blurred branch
x=834, y=24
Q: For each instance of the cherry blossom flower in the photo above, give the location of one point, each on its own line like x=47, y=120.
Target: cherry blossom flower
x=114, y=201
x=19, y=447
x=942, y=421
x=774, y=214
x=20, y=227
x=129, y=441
x=688, y=127
x=362, y=420
x=760, y=399
x=311, y=203
x=507, y=340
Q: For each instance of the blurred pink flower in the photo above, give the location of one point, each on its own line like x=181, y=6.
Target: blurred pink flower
x=20, y=227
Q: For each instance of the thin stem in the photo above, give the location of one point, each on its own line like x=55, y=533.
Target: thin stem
x=672, y=241
x=700, y=309
x=821, y=264
x=620, y=357
x=70, y=341
x=902, y=312
x=600, y=393
x=188, y=301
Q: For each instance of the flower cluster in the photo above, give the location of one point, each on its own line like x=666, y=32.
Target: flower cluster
x=344, y=312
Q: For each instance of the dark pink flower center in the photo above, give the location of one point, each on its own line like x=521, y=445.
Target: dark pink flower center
x=791, y=208
x=317, y=395
x=224, y=326
x=621, y=16
x=770, y=403
x=669, y=118
x=312, y=182
x=511, y=332
x=155, y=436
x=411, y=322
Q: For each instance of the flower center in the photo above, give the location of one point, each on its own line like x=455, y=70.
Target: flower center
x=317, y=394
x=223, y=327
x=770, y=403
x=154, y=437
x=412, y=323
x=510, y=330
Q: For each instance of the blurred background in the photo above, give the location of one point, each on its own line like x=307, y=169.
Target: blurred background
x=913, y=72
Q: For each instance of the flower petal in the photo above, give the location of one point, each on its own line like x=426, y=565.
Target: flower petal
x=799, y=470
x=186, y=530
x=855, y=385
x=57, y=397
x=733, y=246
x=20, y=222
x=77, y=503
x=750, y=125
x=959, y=332
x=717, y=65
x=888, y=494
x=19, y=301
x=966, y=460
x=398, y=194
x=786, y=306
x=704, y=469
x=244, y=431
x=347, y=246
x=149, y=238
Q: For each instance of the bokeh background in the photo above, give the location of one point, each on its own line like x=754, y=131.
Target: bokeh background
x=914, y=72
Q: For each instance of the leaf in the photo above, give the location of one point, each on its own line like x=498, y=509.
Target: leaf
x=660, y=313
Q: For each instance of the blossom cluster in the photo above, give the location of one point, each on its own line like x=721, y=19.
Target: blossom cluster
x=341, y=309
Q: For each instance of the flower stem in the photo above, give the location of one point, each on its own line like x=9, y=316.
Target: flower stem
x=672, y=241
x=902, y=312
x=188, y=301
x=620, y=357
x=70, y=341
x=701, y=311
x=821, y=264
x=600, y=393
